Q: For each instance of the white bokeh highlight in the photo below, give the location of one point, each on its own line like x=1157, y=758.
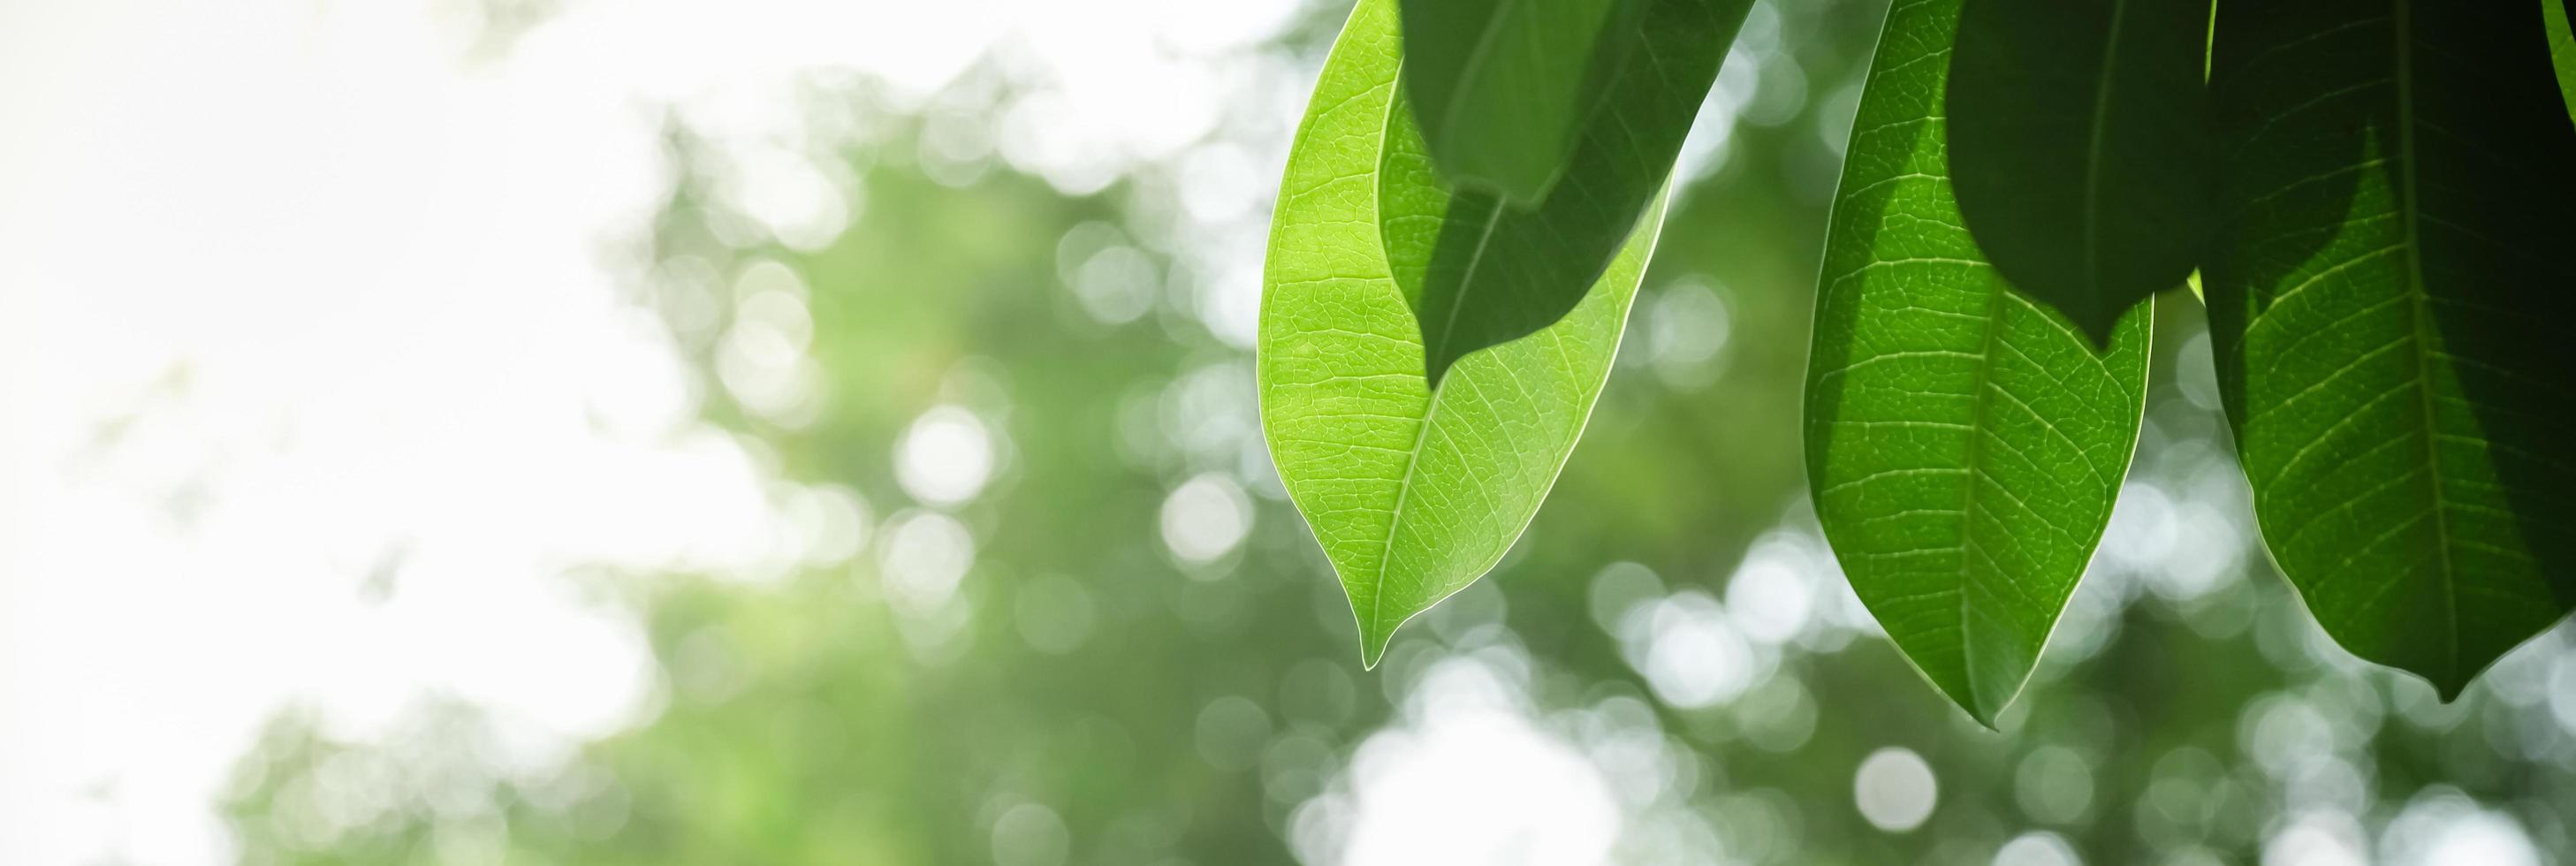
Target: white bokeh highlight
x=1895, y=789
x=945, y=457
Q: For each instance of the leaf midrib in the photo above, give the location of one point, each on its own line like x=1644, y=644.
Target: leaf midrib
x=1395, y=515
x=1475, y=64
x=1431, y=407
x=1466, y=283
x=2402, y=26
x=1431, y=413
x=1977, y=408
x=2093, y=157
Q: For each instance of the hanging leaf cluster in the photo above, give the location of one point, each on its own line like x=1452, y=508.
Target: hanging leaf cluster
x=2376, y=197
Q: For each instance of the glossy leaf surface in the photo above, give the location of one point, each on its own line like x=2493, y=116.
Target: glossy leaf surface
x=2389, y=304
x=1963, y=443
x=1413, y=490
x=1493, y=272
x=1502, y=86
x=2079, y=135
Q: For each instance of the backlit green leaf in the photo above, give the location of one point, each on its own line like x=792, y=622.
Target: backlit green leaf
x=1963, y=443
x=2389, y=303
x=2079, y=135
x=1502, y=86
x=1493, y=272
x=1413, y=490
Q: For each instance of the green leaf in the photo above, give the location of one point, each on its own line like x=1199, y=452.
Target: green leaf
x=1413, y=491
x=1964, y=444
x=1502, y=86
x=2079, y=132
x=1492, y=273
x=2562, y=48
x=2389, y=303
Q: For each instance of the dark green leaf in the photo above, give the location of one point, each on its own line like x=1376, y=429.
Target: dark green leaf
x=1964, y=444
x=1494, y=273
x=2079, y=133
x=1413, y=490
x=1502, y=86
x=2389, y=303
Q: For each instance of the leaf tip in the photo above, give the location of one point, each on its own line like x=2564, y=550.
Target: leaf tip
x=1986, y=717
x=1376, y=634
x=2449, y=688
x=2447, y=682
x=1436, y=361
x=2098, y=333
x=1983, y=703
x=1523, y=189
x=1372, y=650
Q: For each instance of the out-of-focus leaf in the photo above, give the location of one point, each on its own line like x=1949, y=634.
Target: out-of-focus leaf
x=1502, y=86
x=1963, y=443
x=2389, y=303
x=1413, y=490
x=2562, y=48
x=1491, y=272
x=2079, y=135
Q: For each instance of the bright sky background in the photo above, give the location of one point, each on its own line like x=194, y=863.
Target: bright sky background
x=297, y=293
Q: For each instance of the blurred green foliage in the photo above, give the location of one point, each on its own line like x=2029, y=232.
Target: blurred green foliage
x=1088, y=696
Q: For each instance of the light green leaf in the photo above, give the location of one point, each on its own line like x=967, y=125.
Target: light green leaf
x=1493, y=273
x=2079, y=134
x=1502, y=86
x=1413, y=491
x=2389, y=303
x=1964, y=445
